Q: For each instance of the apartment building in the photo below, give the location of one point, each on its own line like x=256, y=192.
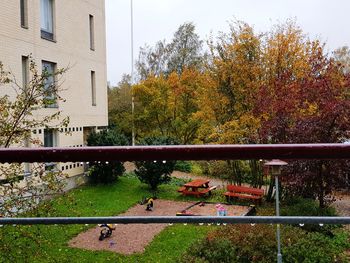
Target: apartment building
x=60, y=34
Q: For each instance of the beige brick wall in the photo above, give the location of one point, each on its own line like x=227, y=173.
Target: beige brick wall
x=71, y=48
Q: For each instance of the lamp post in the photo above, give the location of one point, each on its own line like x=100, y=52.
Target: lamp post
x=132, y=70
x=276, y=171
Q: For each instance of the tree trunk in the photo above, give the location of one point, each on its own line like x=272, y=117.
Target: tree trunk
x=321, y=190
x=256, y=173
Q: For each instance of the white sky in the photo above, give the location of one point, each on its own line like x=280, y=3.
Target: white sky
x=158, y=19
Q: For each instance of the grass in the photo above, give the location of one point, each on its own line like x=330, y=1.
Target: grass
x=17, y=244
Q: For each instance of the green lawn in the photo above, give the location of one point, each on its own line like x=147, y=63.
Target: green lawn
x=18, y=246
x=50, y=242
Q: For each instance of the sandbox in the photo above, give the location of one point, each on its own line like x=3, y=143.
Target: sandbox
x=133, y=238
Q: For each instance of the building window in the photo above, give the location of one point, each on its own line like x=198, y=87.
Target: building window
x=27, y=168
x=24, y=13
x=25, y=80
x=25, y=72
x=48, y=69
x=92, y=32
x=93, y=88
x=46, y=12
x=50, y=140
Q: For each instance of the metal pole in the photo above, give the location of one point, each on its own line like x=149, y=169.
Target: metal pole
x=174, y=152
x=132, y=72
x=278, y=233
x=177, y=219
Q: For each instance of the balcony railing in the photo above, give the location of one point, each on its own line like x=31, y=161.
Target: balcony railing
x=193, y=152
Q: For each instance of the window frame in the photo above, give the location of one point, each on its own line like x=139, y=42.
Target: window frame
x=50, y=82
x=54, y=136
x=92, y=32
x=27, y=169
x=93, y=88
x=45, y=32
x=25, y=72
x=23, y=6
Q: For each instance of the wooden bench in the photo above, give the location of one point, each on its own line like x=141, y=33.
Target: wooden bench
x=181, y=189
x=212, y=187
x=243, y=192
x=200, y=192
x=208, y=190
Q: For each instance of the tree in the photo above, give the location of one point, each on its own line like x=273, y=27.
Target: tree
x=304, y=100
x=152, y=60
x=106, y=173
x=171, y=79
x=152, y=100
x=155, y=172
x=342, y=55
x=119, y=106
x=18, y=116
x=235, y=73
x=169, y=105
x=183, y=51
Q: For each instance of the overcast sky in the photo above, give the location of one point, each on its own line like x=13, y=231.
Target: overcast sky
x=158, y=19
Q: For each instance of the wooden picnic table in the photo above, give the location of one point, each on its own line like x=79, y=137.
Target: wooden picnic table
x=198, y=183
x=198, y=187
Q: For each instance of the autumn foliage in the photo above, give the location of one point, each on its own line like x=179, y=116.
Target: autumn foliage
x=278, y=86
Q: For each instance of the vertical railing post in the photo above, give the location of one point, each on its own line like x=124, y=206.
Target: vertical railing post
x=278, y=232
x=276, y=171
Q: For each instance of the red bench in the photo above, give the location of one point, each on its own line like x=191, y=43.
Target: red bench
x=243, y=192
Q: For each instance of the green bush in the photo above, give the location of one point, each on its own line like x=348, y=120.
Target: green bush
x=218, y=169
x=308, y=207
x=178, y=181
x=203, y=167
x=101, y=172
x=155, y=172
x=196, y=168
x=316, y=247
x=304, y=207
x=246, y=243
x=211, y=251
x=183, y=166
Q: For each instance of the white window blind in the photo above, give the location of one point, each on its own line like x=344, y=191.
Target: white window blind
x=46, y=10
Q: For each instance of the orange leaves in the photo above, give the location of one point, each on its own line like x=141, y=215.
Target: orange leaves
x=169, y=105
x=254, y=88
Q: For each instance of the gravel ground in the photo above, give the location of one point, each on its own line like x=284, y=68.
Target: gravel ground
x=342, y=203
x=129, y=239
x=209, y=209
x=342, y=206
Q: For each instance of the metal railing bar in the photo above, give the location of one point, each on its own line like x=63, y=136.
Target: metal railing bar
x=177, y=219
x=178, y=152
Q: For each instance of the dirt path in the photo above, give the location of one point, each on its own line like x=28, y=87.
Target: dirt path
x=342, y=204
x=129, y=239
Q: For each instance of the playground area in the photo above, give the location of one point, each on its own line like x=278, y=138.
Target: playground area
x=129, y=239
